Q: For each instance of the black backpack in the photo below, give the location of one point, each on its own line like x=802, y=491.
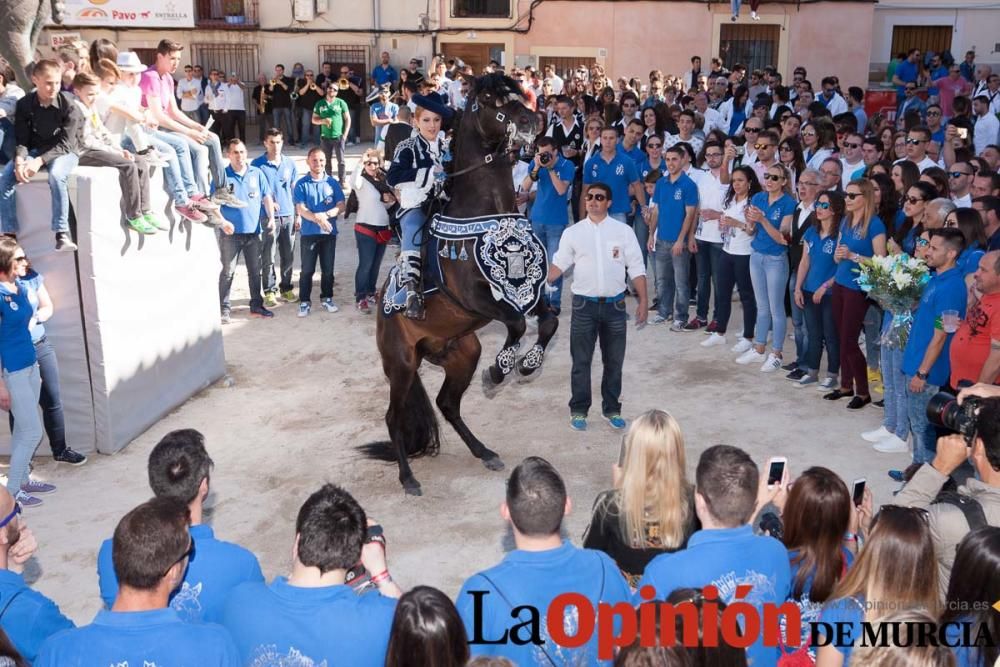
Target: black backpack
x=970, y=507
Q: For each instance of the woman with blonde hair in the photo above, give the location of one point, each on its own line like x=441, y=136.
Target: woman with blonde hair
x=371, y=226
x=651, y=509
x=896, y=569
x=909, y=652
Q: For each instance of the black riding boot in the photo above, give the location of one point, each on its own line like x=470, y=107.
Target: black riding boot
x=414, y=293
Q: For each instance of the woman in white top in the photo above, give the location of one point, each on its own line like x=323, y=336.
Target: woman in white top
x=734, y=264
x=371, y=225
x=819, y=138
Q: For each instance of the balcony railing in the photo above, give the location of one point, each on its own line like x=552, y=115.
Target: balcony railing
x=226, y=13
x=480, y=9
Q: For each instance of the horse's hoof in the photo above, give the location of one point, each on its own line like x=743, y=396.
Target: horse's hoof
x=493, y=463
x=526, y=375
x=412, y=488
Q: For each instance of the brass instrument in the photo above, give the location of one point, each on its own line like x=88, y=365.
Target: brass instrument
x=262, y=103
x=343, y=83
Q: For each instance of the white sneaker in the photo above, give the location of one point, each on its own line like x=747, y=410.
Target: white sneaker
x=881, y=433
x=713, y=340
x=304, y=309
x=750, y=356
x=828, y=383
x=330, y=306
x=891, y=445
x=754, y=16
x=742, y=346
x=771, y=364
x=660, y=319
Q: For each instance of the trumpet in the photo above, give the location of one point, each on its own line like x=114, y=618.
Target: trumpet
x=261, y=103
x=343, y=83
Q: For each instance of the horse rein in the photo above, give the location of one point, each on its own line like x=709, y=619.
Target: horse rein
x=501, y=149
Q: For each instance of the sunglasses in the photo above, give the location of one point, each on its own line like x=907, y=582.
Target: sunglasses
x=933, y=113
x=923, y=243
x=808, y=134
x=371, y=162
x=654, y=145
x=761, y=147
x=597, y=197
x=810, y=183
x=851, y=146
x=773, y=177
x=10, y=517
x=915, y=142
x=751, y=130
x=953, y=174
x=912, y=200
x=822, y=205
x=852, y=195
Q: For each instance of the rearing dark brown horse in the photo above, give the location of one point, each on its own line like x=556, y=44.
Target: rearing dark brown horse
x=494, y=125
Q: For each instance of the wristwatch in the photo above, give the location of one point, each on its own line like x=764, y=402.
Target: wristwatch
x=922, y=375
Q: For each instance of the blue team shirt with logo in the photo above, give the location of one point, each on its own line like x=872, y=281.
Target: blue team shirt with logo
x=847, y=271
x=17, y=352
x=822, y=267
x=945, y=291
x=282, y=176
x=550, y=206
x=726, y=558
x=282, y=624
x=251, y=187
x=672, y=199
x=215, y=568
x=618, y=174
x=29, y=618
x=773, y=214
x=318, y=196
x=140, y=638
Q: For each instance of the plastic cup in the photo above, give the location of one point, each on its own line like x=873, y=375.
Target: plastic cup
x=949, y=321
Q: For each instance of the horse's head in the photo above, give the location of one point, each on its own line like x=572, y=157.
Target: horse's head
x=495, y=107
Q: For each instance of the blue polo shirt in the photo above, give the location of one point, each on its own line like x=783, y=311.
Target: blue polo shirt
x=821, y=264
x=550, y=206
x=383, y=75
x=535, y=578
x=251, y=188
x=847, y=271
x=332, y=625
x=968, y=261
x=672, y=199
x=383, y=111
x=636, y=153
x=157, y=637
x=17, y=352
x=29, y=617
x=281, y=176
x=213, y=571
x=907, y=73
x=945, y=291
x=318, y=196
x=645, y=167
x=726, y=558
x=618, y=174
x=774, y=213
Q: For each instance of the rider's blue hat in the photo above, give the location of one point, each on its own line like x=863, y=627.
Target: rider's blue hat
x=433, y=103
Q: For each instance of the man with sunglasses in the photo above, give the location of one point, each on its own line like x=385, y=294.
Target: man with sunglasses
x=751, y=130
x=151, y=551
x=766, y=152
x=603, y=253
x=851, y=159
x=911, y=103
x=916, y=148
x=960, y=184
x=949, y=87
x=27, y=616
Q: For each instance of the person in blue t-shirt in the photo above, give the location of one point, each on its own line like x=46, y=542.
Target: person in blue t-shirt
x=279, y=239
x=319, y=201
x=671, y=232
x=311, y=616
x=906, y=72
x=179, y=467
x=725, y=553
x=926, y=363
x=152, y=547
x=554, y=175
x=27, y=617
x=541, y=568
x=613, y=167
x=241, y=228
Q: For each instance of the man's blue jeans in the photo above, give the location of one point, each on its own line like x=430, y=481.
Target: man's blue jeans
x=309, y=136
x=179, y=146
x=283, y=121
x=597, y=323
x=230, y=246
x=7, y=140
x=59, y=171
x=924, y=435
x=769, y=274
x=549, y=235
x=672, y=287
x=707, y=261
x=322, y=247
x=411, y=229
x=897, y=416
x=799, y=329
x=205, y=158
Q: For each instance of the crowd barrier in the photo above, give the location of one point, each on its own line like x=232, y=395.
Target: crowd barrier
x=136, y=326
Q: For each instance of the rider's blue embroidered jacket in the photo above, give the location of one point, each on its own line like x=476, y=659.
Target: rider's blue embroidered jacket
x=413, y=168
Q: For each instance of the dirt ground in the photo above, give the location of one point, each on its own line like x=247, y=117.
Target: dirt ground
x=305, y=392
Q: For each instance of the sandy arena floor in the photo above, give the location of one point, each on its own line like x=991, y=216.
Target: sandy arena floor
x=307, y=391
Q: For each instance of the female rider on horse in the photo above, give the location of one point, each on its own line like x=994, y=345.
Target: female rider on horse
x=415, y=169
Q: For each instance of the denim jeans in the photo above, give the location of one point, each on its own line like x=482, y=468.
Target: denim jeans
x=873, y=327
x=924, y=434
x=324, y=248
x=331, y=146
x=49, y=398
x=821, y=333
x=279, y=243
x=23, y=386
x=206, y=158
x=309, y=136
x=59, y=171
x=594, y=323
x=734, y=271
x=799, y=329
x=549, y=235
x=282, y=119
x=769, y=274
x=7, y=140
x=411, y=227
x=707, y=260
x=897, y=417
x=230, y=246
x=672, y=287
x=370, y=253
x=642, y=235
x=179, y=146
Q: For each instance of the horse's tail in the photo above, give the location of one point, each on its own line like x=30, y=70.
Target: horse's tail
x=417, y=426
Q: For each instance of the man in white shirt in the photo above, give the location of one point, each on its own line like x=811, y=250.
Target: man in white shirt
x=235, y=108
x=713, y=119
x=987, y=126
x=554, y=79
x=916, y=148
x=831, y=99
x=604, y=253
x=712, y=185
x=189, y=92
x=960, y=184
x=852, y=160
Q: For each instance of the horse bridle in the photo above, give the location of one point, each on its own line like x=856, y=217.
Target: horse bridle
x=502, y=148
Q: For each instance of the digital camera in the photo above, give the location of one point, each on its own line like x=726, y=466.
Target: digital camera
x=943, y=410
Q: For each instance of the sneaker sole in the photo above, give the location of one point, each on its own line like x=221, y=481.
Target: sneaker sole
x=577, y=430
x=76, y=464
x=37, y=492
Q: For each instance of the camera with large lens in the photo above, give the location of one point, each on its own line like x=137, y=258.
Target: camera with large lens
x=943, y=410
x=544, y=158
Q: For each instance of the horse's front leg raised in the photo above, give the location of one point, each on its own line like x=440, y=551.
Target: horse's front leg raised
x=506, y=359
x=530, y=365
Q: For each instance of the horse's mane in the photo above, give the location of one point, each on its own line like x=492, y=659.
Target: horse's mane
x=500, y=85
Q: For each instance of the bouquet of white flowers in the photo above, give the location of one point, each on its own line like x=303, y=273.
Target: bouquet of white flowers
x=896, y=283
